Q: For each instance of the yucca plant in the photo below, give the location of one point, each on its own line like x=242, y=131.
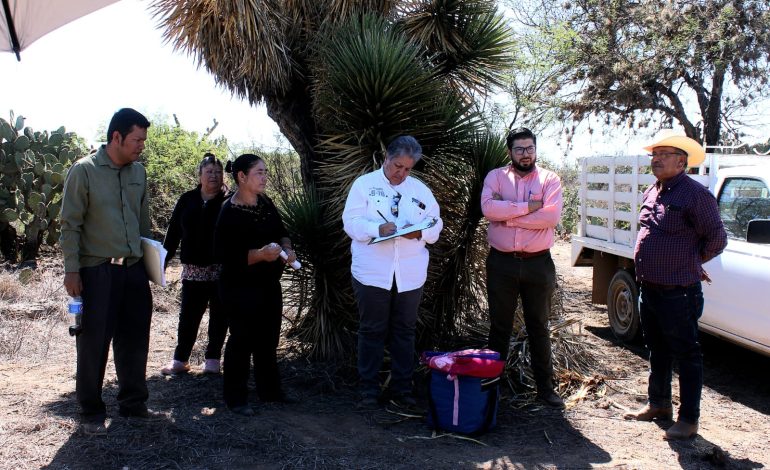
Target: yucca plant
x=323, y=317
x=341, y=79
x=456, y=284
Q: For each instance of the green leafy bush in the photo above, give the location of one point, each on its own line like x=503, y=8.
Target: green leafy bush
x=171, y=157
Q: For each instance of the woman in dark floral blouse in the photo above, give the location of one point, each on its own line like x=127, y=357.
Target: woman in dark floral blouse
x=248, y=240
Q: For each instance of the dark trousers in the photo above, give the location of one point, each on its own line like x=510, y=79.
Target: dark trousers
x=534, y=280
x=670, y=327
x=386, y=316
x=255, y=314
x=117, y=308
x=196, y=296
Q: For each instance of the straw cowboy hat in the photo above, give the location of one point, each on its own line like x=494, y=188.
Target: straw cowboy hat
x=671, y=138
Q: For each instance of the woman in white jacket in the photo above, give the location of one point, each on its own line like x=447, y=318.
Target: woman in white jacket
x=388, y=275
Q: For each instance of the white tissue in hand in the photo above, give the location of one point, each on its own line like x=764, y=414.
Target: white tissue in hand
x=294, y=264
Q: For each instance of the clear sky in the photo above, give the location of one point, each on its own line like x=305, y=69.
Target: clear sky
x=81, y=73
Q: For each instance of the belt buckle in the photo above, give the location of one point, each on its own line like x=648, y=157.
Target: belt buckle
x=118, y=261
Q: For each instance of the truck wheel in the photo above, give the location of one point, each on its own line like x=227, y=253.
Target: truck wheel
x=623, y=306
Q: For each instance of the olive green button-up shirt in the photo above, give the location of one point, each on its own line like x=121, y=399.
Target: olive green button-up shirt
x=104, y=212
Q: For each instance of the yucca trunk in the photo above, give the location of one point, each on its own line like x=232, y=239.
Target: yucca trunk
x=292, y=113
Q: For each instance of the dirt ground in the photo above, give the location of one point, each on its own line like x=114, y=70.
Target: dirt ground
x=38, y=414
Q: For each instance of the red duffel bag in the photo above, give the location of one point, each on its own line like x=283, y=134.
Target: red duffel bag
x=481, y=363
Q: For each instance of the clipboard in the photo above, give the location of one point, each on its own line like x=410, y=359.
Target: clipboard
x=154, y=256
x=425, y=224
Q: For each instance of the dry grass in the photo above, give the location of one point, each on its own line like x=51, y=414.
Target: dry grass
x=39, y=427
x=10, y=289
x=29, y=311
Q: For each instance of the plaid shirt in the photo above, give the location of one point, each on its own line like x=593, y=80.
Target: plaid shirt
x=679, y=230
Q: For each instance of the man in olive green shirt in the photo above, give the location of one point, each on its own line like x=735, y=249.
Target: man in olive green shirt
x=103, y=216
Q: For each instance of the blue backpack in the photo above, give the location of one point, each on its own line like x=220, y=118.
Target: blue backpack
x=465, y=404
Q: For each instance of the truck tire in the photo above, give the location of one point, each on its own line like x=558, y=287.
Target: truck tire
x=623, y=306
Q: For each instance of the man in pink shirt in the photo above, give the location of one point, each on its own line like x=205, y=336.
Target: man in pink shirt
x=523, y=205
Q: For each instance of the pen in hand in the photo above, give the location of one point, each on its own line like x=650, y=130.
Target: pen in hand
x=383, y=217
x=388, y=228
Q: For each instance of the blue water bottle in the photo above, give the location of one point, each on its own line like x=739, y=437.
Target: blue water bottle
x=75, y=309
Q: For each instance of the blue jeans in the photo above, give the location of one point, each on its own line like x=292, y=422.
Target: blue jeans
x=670, y=325
x=386, y=316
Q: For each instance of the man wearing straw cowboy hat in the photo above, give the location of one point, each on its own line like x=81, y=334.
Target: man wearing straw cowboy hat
x=679, y=230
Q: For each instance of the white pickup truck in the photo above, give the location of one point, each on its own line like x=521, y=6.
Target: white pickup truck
x=737, y=302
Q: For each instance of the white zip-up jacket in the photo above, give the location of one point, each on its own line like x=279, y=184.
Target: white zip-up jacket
x=407, y=260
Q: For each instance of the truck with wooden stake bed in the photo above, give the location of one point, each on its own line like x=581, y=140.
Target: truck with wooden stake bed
x=737, y=300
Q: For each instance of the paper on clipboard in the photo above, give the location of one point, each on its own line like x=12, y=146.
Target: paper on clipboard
x=154, y=256
x=425, y=224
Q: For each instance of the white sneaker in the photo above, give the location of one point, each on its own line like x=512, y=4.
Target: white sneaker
x=211, y=366
x=175, y=367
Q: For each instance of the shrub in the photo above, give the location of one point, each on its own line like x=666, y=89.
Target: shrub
x=34, y=165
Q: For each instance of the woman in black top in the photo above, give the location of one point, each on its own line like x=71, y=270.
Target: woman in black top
x=192, y=224
x=249, y=237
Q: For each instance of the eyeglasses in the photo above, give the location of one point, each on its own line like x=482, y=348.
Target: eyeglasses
x=522, y=150
x=394, y=205
x=666, y=154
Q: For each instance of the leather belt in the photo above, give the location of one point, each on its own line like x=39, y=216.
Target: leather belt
x=656, y=286
x=523, y=254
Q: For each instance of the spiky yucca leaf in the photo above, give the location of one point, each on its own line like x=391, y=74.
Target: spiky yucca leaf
x=324, y=313
x=256, y=49
x=456, y=283
x=373, y=85
x=467, y=40
x=243, y=44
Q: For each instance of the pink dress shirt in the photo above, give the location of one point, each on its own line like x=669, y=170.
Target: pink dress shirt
x=511, y=227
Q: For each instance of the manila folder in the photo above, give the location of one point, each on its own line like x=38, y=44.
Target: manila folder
x=154, y=260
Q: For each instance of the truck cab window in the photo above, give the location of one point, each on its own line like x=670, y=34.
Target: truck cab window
x=740, y=201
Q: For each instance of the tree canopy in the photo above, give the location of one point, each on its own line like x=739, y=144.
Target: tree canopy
x=698, y=63
x=342, y=79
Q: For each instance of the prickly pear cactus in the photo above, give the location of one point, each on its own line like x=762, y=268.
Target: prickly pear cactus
x=32, y=170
